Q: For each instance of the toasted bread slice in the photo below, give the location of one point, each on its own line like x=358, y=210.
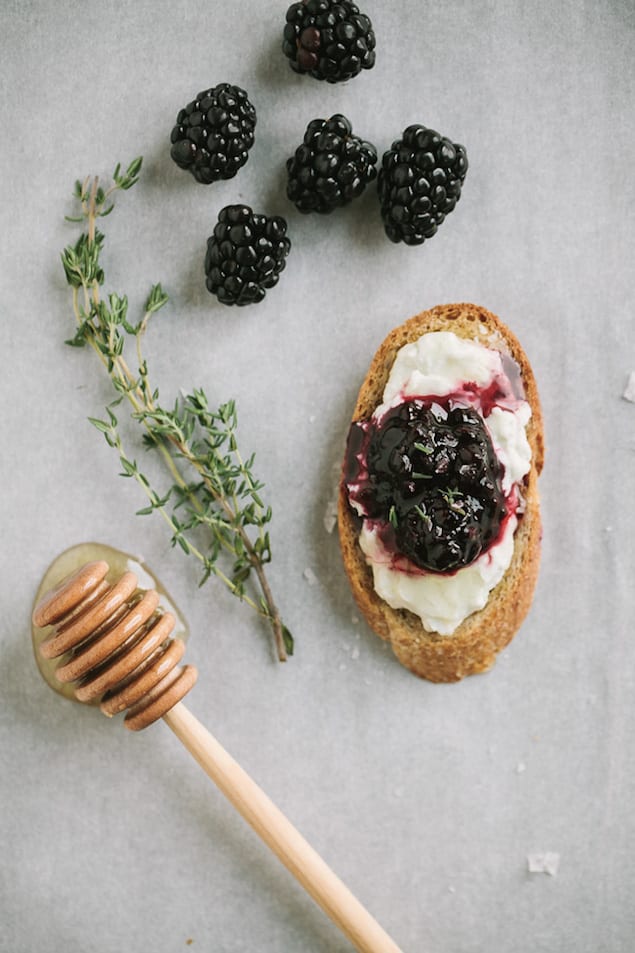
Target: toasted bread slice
x=473, y=646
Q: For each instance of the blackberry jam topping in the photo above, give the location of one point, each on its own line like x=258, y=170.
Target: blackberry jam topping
x=429, y=476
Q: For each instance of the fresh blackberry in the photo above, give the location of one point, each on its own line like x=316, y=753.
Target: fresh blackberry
x=331, y=167
x=430, y=476
x=214, y=133
x=419, y=183
x=245, y=255
x=329, y=39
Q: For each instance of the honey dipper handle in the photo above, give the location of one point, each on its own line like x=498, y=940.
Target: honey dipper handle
x=280, y=835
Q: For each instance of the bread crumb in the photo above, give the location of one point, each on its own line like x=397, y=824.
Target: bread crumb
x=330, y=515
x=353, y=652
x=629, y=390
x=543, y=863
x=521, y=767
x=310, y=576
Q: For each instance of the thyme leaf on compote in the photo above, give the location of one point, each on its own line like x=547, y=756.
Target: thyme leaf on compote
x=213, y=495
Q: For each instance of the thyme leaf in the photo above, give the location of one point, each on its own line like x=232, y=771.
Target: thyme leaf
x=454, y=497
x=424, y=448
x=213, y=506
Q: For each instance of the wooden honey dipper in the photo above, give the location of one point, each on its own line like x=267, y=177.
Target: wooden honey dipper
x=116, y=646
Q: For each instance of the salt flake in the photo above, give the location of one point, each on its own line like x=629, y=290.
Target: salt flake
x=543, y=863
x=629, y=390
x=330, y=516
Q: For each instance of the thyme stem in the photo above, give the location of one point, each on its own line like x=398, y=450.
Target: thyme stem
x=223, y=499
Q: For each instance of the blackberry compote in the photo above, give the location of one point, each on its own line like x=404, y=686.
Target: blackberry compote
x=429, y=477
x=328, y=39
x=419, y=184
x=331, y=167
x=245, y=255
x=214, y=133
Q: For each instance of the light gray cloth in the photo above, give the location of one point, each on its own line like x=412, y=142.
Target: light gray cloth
x=496, y=814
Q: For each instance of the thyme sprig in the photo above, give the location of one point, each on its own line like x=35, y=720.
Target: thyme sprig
x=213, y=506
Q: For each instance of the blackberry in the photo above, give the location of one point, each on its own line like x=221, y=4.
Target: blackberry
x=419, y=183
x=245, y=255
x=214, y=133
x=331, y=167
x=430, y=475
x=329, y=39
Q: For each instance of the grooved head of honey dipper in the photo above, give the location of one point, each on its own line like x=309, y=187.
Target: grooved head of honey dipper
x=69, y=593
x=101, y=637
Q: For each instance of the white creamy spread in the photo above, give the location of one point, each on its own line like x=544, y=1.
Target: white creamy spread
x=509, y=438
x=439, y=364
x=442, y=602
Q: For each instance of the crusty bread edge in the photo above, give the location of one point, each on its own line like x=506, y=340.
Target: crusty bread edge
x=473, y=647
